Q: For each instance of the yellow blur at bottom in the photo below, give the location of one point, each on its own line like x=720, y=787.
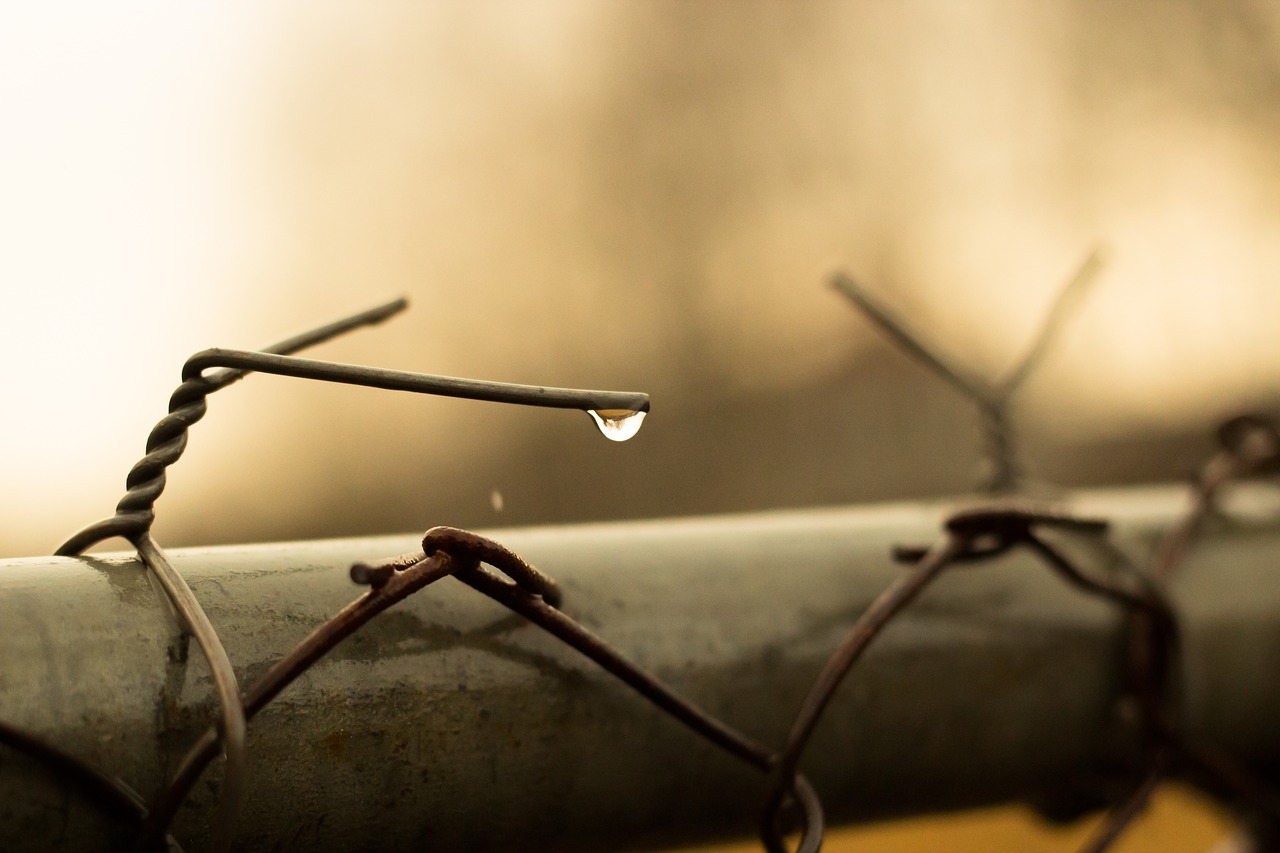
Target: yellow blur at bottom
x=1178, y=820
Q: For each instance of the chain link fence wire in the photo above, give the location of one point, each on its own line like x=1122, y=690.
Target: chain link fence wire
x=791, y=812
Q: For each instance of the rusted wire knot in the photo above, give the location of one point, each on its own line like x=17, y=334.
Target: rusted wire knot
x=973, y=535
x=135, y=514
x=482, y=550
x=1254, y=440
x=469, y=549
x=993, y=397
x=449, y=551
x=537, y=598
x=1249, y=447
x=988, y=533
x=390, y=581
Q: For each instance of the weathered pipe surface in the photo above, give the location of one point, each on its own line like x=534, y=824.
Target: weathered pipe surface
x=449, y=724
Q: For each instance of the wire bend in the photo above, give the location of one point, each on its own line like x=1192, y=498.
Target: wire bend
x=978, y=535
x=133, y=519
x=992, y=397
x=541, y=612
x=187, y=406
x=135, y=515
x=527, y=592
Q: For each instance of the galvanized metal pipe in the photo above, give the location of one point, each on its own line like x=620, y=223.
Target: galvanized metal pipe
x=448, y=723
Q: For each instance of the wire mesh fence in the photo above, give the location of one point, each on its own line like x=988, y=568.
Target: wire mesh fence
x=1155, y=745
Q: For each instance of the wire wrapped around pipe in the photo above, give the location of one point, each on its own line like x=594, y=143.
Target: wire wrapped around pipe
x=135, y=513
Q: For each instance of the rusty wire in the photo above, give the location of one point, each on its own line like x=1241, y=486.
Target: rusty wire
x=1250, y=445
x=448, y=551
x=136, y=511
x=545, y=615
x=135, y=515
x=992, y=397
x=112, y=792
x=971, y=536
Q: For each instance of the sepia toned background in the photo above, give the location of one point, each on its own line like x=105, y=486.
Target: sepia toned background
x=636, y=195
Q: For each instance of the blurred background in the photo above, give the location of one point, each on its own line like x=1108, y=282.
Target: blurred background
x=643, y=196
x=630, y=195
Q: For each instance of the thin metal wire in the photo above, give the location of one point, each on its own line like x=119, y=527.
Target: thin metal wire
x=904, y=336
x=319, y=642
x=168, y=439
x=899, y=594
x=1118, y=821
x=970, y=536
x=418, y=383
x=1152, y=651
x=133, y=519
x=651, y=688
x=991, y=398
x=1250, y=445
x=233, y=728
x=135, y=512
x=526, y=591
x=1064, y=304
x=110, y=791
x=973, y=535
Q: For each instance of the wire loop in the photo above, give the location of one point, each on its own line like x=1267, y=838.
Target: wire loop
x=1250, y=446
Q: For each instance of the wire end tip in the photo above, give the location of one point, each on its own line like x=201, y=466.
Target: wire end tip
x=390, y=309
x=372, y=576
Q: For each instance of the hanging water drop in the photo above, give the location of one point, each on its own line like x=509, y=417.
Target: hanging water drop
x=617, y=424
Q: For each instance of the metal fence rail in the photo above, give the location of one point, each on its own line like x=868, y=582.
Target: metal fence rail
x=665, y=681
x=448, y=722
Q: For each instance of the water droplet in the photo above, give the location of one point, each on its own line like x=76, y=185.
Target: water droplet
x=617, y=424
x=496, y=501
